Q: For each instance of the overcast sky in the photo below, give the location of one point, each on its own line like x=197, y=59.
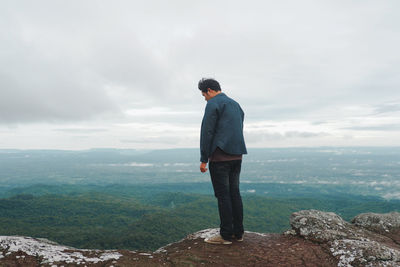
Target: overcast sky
x=123, y=74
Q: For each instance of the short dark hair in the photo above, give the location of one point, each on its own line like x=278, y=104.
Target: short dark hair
x=206, y=83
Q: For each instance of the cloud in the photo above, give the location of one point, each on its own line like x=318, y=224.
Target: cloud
x=387, y=108
x=295, y=134
x=156, y=140
x=254, y=137
x=388, y=127
x=91, y=58
x=80, y=130
x=101, y=63
x=39, y=87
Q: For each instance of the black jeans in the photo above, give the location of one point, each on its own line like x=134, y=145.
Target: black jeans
x=225, y=179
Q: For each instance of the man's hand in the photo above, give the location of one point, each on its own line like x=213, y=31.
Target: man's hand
x=203, y=167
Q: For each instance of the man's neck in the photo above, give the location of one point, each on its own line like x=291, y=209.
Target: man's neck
x=215, y=94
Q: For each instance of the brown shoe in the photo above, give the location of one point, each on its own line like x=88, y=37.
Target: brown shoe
x=218, y=240
x=237, y=239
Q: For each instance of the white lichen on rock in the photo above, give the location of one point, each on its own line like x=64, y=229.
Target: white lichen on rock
x=351, y=243
x=50, y=252
x=378, y=222
x=206, y=233
x=319, y=226
x=363, y=251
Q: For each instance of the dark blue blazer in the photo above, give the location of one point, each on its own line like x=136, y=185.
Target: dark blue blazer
x=222, y=127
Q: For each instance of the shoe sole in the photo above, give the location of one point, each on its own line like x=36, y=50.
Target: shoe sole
x=218, y=243
x=237, y=239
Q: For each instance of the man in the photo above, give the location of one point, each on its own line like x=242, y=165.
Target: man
x=222, y=145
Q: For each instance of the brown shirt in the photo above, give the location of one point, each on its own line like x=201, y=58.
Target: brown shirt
x=220, y=155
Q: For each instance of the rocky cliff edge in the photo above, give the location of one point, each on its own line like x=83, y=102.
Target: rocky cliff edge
x=316, y=239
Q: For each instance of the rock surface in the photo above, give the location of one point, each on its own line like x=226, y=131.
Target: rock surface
x=385, y=224
x=366, y=242
x=316, y=239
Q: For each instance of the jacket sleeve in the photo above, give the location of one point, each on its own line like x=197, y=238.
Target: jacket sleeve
x=242, y=113
x=208, y=126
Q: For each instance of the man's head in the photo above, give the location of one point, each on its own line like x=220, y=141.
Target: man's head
x=209, y=88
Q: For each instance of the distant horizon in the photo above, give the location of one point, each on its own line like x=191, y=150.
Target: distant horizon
x=181, y=148
x=366, y=170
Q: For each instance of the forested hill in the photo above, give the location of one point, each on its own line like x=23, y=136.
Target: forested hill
x=316, y=238
x=140, y=217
